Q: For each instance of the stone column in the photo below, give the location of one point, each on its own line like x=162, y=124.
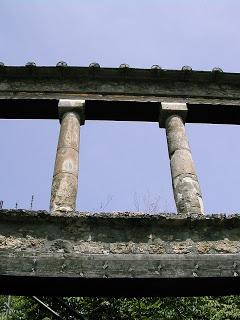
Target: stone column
x=65, y=176
x=185, y=183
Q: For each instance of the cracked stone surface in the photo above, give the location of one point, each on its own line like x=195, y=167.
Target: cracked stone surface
x=118, y=233
x=185, y=183
x=65, y=177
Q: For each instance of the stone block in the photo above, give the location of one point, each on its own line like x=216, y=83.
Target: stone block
x=168, y=109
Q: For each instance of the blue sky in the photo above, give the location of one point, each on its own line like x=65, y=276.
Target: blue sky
x=123, y=166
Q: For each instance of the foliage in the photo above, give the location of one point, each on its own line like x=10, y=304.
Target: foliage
x=21, y=308
x=195, y=308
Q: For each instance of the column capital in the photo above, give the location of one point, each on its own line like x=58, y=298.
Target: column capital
x=168, y=109
x=71, y=105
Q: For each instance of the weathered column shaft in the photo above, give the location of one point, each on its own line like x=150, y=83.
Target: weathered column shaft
x=65, y=177
x=185, y=183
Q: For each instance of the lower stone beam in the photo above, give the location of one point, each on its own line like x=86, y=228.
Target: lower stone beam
x=81, y=274
x=120, y=254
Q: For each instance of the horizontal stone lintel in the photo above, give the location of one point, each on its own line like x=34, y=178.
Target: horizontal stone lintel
x=28, y=105
x=118, y=254
x=119, y=275
x=119, y=265
x=118, y=94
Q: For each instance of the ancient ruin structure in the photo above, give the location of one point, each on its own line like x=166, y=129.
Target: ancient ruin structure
x=70, y=253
